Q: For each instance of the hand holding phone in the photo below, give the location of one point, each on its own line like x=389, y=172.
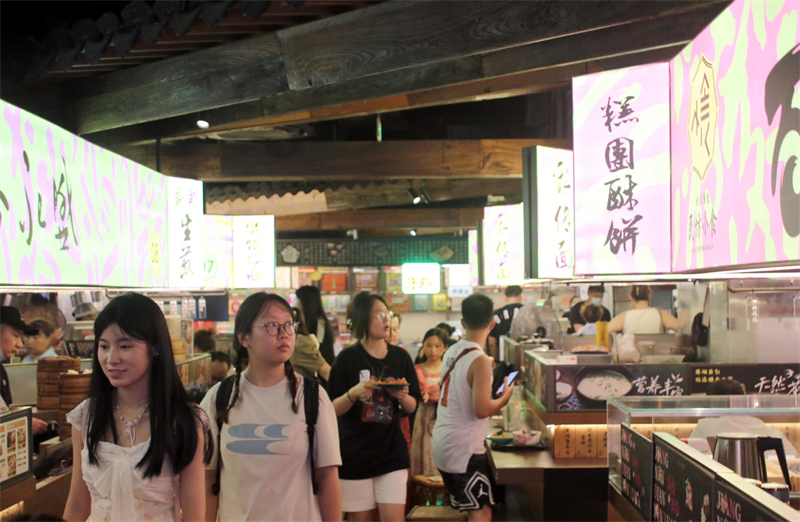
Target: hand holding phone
x=511, y=377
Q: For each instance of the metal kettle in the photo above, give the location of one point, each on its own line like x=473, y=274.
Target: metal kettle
x=744, y=454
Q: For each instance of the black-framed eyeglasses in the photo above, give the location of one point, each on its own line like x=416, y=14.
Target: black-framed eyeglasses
x=274, y=329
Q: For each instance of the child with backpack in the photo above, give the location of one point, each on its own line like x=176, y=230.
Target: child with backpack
x=278, y=456
x=462, y=417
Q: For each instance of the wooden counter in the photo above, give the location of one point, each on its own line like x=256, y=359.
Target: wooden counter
x=524, y=466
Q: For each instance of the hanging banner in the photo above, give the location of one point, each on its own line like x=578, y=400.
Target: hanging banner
x=72, y=213
x=622, y=171
x=736, y=140
x=474, y=263
x=185, y=230
x=254, y=251
x=502, y=246
x=218, y=243
x=555, y=234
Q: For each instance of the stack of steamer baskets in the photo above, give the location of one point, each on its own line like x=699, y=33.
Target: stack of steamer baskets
x=73, y=388
x=47, y=372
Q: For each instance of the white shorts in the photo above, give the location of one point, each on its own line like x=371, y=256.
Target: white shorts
x=365, y=495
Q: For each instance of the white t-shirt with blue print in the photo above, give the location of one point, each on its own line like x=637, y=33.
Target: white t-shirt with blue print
x=266, y=472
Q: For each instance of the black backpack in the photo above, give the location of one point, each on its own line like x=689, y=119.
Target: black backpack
x=310, y=406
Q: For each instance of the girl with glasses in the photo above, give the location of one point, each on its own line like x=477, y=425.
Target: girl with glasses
x=135, y=458
x=266, y=463
x=370, y=402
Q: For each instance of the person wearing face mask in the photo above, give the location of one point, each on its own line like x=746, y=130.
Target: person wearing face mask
x=576, y=319
x=504, y=317
x=12, y=330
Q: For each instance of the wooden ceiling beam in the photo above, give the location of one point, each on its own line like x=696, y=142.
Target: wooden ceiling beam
x=382, y=219
x=338, y=160
x=352, y=57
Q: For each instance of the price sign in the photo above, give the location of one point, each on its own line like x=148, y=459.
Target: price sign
x=637, y=470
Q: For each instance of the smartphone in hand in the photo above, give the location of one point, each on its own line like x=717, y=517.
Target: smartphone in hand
x=511, y=377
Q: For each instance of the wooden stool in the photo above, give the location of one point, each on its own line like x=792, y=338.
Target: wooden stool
x=436, y=513
x=426, y=491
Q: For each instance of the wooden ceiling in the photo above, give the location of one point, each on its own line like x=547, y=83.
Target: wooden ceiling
x=304, y=82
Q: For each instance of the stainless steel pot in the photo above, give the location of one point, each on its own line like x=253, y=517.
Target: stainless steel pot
x=744, y=454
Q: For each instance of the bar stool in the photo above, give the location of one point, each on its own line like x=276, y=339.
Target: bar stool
x=427, y=491
x=435, y=514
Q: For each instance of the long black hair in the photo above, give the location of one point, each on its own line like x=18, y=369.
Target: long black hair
x=360, y=313
x=248, y=313
x=173, y=421
x=311, y=303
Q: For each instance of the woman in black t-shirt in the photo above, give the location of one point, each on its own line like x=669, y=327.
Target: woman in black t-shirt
x=375, y=458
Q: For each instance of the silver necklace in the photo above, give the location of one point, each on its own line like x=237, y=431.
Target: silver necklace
x=130, y=426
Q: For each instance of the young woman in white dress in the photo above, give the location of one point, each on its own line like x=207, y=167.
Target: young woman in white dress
x=138, y=443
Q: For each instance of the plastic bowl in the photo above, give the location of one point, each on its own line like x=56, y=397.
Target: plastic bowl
x=502, y=441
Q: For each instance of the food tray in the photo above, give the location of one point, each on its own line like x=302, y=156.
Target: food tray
x=512, y=447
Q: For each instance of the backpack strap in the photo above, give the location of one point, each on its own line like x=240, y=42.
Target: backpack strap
x=222, y=401
x=311, y=408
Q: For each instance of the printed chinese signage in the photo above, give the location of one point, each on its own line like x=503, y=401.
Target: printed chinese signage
x=503, y=262
x=780, y=379
x=218, y=243
x=474, y=263
x=421, y=278
x=636, y=468
x=735, y=143
x=555, y=216
x=72, y=213
x=622, y=171
x=682, y=489
x=254, y=251
x=185, y=229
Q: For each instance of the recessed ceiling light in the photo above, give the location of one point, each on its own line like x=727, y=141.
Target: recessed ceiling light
x=203, y=124
x=413, y=232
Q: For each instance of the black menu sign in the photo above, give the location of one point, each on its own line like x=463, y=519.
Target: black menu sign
x=783, y=379
x=733, y=505
x=637, y=470
x=682, y=488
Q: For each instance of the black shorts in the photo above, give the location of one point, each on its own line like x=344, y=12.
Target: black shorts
x=474, y=489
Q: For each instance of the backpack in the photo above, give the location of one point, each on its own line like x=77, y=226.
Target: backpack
x=310, y=406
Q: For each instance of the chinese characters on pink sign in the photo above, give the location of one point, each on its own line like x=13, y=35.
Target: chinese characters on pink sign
x=555, y=215
x=736, y=139
x=621, y=146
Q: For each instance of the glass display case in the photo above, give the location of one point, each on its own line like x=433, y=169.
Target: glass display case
x=678, y=416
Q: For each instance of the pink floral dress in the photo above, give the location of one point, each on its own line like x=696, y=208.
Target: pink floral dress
x=118, y=489
x=422, y=438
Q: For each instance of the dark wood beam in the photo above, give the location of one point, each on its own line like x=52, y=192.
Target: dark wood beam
x=344, y=160
x=351, y=57
x=381, y=219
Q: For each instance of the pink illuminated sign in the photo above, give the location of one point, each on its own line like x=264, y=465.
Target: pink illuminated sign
x=736, y=139
x=622, y=171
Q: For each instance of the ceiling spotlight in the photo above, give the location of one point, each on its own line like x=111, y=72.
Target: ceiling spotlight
x=202, y=124
x=416, y=198
x=413, y=231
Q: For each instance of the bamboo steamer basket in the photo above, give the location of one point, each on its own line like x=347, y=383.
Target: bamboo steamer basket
x=47, y=373
x=73, y=389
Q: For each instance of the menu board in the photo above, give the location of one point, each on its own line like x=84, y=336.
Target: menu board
x=474, y=262
x=555, y=230
x=682, y=489
x=622, y=171
x=254, y=251
x=580, y=387
x=782, y=379
x=734, y=505
x=735, y=145
x=15, y=450
x=72, y=213
x=636, y=454
x=503, y=262
x=218, y=244
x=185, y=231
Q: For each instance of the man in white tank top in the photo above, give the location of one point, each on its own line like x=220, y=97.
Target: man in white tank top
x=462, y=417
